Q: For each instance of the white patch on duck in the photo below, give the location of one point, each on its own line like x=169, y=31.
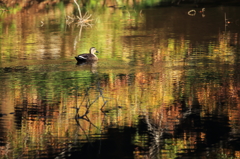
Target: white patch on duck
x=81, y=57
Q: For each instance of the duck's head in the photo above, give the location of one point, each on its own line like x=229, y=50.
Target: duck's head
x=93, y=50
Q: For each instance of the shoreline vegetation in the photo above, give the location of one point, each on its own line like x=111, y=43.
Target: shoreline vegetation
x=41, y=5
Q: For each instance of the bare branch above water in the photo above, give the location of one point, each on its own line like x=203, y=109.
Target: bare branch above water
x=79, y=20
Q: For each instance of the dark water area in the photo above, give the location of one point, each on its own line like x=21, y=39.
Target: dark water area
x=166, y=83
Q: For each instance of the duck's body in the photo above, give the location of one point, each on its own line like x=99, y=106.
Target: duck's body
x=88, y=57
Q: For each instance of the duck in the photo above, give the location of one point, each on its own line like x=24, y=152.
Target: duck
x=88, y=57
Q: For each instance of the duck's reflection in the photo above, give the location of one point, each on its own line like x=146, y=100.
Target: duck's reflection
x=92, y=65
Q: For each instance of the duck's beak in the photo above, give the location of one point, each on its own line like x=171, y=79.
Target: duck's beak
x=97, y=52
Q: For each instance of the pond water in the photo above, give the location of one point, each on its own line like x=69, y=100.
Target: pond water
x=166, y=84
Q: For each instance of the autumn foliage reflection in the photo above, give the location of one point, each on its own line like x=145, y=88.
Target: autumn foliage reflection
x=174, y=92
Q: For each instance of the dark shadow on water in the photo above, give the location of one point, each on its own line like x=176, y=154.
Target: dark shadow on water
x=118, y=144
x=216, y=130
x=122, y=143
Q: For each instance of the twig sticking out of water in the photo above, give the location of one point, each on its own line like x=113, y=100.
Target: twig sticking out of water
x=79, y=10
x=81, y=20
x=227, y=21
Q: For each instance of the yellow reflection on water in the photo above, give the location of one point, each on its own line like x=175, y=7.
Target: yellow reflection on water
x=142, y=72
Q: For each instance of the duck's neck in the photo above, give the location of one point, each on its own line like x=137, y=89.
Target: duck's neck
x=95, y=55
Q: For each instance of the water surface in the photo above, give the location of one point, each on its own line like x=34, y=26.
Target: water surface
x=165, y=84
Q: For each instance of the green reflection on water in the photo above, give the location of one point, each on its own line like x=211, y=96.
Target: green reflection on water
x=143, y=70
